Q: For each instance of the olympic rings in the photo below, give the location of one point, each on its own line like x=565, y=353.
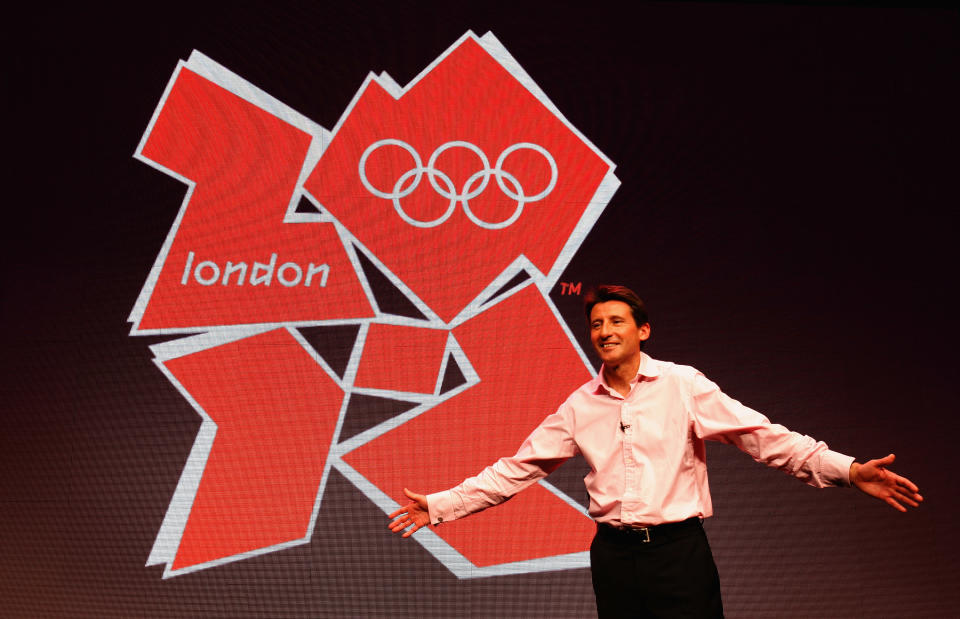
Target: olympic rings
x=473, y=187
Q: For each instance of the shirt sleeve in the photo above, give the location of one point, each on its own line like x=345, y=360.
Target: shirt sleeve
x=547, y=447
x=716, y=416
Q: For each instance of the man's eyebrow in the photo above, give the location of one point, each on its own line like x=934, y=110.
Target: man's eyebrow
x=611, y=317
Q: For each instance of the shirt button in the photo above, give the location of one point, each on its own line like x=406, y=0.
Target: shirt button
x=439, y=519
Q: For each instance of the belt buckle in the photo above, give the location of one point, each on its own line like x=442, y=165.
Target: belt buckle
x=643, y=532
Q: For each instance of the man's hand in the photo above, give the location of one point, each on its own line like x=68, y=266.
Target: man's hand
x=413, y=513
x=876, y=480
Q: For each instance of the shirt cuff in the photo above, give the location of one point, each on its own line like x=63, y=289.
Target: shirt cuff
x=444, y=507
x=835, y=468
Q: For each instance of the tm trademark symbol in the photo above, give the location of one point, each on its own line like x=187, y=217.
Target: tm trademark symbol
x=570, y=288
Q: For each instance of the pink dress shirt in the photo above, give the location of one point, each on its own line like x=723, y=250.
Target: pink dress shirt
x=645, y=451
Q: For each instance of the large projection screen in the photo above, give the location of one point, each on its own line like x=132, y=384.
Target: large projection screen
x=265, y=265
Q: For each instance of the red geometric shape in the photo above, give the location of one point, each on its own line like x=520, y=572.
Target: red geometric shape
x=527, y=367
x=469, y=97
x=245, y=163
x=401, y=358
x=276, y=411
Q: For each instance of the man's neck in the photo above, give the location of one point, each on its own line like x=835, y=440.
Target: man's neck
x=618, y=378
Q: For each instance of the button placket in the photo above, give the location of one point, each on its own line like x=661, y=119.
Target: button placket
x=630, y=470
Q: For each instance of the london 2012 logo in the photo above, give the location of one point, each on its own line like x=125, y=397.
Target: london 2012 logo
x=344, y=299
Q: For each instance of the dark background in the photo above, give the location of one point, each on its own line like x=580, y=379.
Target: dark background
x=787, y=209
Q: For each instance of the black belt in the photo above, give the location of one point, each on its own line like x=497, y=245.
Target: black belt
x=645, y=535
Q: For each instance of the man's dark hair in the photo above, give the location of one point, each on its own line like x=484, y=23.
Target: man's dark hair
x=602, y=294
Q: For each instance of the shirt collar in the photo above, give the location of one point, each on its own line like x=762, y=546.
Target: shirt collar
x=649, y=368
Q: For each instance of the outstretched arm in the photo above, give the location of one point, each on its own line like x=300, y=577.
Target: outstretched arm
x=413, y=513
x=875, y=479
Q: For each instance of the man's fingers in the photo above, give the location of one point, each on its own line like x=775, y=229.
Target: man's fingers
x=898, y=496
x=893, y=503
x=402, y=519
x=412, y=516
x=409, y=514
x=909, y=499
x=906, y=483
x=419, y=499
x=906, y=488
x=878, y=465
x=885, y=461
x=399, y=525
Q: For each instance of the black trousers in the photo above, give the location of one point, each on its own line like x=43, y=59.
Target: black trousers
x=672, y=575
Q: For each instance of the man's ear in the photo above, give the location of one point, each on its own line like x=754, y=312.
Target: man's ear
x=645, y=332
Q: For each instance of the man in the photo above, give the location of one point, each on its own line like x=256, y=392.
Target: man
x=641, y=425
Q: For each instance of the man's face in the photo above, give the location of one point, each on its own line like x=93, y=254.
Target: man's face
x=614, y=333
